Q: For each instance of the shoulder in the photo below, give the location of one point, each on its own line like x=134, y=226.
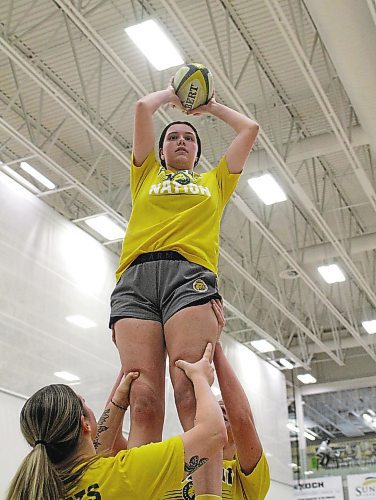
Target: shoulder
x=150, y=160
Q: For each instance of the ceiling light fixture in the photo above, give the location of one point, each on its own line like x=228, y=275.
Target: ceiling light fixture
x=267, y=189
x=37, y=175
x=369, y=326
x=21, y=180
x=309, y=436
x=307, y=378
x=262, y=345
x=286, y=363
x=103, y=225
x=81, y=321
x=154, y=44
x=292, y=427
x=332, y=273
x=367, y=417
x=69, y=377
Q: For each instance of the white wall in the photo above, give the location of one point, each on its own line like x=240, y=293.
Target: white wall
x=50, y=269
x=13, y=446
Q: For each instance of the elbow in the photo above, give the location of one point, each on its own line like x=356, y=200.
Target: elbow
x=219, y=437
x=140, y=104
x=253, y=127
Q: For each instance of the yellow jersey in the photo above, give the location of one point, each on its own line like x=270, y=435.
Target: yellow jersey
x=179, y=211
x=143, y=473
x=235, y=484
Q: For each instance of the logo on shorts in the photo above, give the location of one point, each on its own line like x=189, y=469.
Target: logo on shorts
x=200, y=286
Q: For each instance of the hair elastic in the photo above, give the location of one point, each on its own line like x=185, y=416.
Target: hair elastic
x=40, y=441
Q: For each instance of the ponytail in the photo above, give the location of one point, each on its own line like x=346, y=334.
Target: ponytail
x=36, y=478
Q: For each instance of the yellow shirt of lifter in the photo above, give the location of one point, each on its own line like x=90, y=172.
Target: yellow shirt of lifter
x=179, y=211
x=143, y=473
x=235, y=484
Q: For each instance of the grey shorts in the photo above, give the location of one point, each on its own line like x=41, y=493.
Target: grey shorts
x=159, y=284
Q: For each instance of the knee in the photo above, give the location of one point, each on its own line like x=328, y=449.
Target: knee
x=185, y=399
x=147, y=407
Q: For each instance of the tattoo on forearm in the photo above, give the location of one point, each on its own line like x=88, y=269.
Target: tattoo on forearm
x=101, y=427
x=194, y=463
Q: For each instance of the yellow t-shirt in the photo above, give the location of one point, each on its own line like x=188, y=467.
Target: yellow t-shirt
x=143, y=473
x=235, y=484
x=179, y=211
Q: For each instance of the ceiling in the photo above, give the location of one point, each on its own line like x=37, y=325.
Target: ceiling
x=303, y=69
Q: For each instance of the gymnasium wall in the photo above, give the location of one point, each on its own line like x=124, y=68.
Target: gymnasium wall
x=50, y=269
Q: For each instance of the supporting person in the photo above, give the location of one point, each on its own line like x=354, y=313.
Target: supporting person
x=245, y=473
x=60, y=428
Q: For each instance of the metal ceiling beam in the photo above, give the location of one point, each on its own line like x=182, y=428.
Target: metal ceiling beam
x=260, y=331
x=339, y=385
x=53, y=92
x=302, y=60
x=308, y=148
x=55, y=167
x=348, y=32
x=280, y=306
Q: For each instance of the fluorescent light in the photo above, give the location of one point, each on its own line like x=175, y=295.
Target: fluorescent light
x=21, y=180
x=331, y=273
x=309, y=436
x=69, y=377
x=286, y=363
x=292, y=427
x=267, y=189
x=307, y=378
x=81, y=321
x=37, y=175
x=367, y=417
x=154, y=44
x=369, y=326
x=262, y=345
x=103, y=225
x=308, y=472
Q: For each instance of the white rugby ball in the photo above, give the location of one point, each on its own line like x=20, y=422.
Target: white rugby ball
x=194, y=85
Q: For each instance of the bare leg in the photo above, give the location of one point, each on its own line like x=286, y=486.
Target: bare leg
x=141, y=348
x=186, y=334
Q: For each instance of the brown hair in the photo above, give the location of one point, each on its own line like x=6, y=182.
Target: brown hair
x=51, y=423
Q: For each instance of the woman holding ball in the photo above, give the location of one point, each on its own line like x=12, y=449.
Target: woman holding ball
x=168, y=268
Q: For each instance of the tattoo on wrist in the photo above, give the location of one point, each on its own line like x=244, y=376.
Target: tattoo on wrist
x=121, y=407
x=194, y=463
x=101, y=427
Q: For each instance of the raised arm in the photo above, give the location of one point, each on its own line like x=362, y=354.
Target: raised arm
x=239, y=413
x=109, y=436
x=245, y=128
x=208, y=435
x=143, y=136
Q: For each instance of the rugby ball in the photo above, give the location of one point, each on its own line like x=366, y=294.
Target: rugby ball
x=193, y=84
